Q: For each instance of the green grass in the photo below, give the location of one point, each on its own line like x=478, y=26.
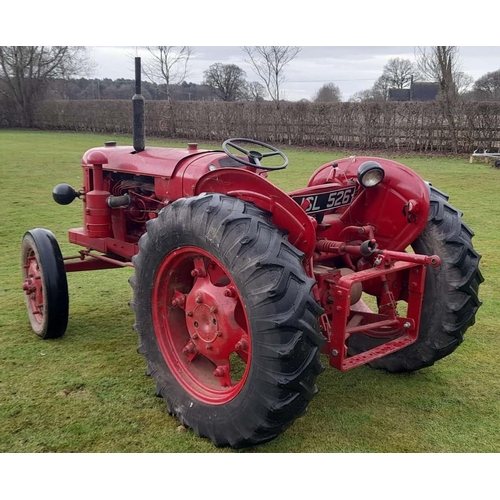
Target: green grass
x=87, y=392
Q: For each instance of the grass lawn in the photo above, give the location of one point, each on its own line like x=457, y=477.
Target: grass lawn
x=87, y=392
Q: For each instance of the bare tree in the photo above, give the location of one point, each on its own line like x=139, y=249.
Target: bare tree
x=25, y=72
x=362, y=96
x=227, y=80
x=438, y=64
x=256, y=91
x=399, y=72
x=380, y=89
x=441, y=64
x=167, y=65
x=329, y=92
x=463, y=82
x=269, y=63
x=487, y=87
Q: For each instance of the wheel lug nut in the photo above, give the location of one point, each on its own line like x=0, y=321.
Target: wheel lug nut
x=194, y=336
x=219, y=334
x=190, y=313
x=179, y=301
x=199, y=299
x=198, y=272
x=229, y=291
x=213, y=310
x=219, y=372
x=189, y=349
x=209, y=347
x=241, y=345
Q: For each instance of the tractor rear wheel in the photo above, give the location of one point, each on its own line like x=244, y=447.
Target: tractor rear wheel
x=451, y=292
x=226, y=319
x=45, y=284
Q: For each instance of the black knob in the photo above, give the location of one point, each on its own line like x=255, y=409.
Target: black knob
x=64, y=194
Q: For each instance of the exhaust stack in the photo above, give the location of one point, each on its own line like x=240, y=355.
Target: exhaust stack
x=138, y=106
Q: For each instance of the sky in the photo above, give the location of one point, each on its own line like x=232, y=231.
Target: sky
x=347, y=43
x=351, y=68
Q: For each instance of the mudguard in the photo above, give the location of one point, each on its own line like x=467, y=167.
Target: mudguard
x=398, y=208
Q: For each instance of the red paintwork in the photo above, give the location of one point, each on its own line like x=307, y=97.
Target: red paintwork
x=382, y=206
x=343, y=314
x=390, y=215
x=200, y=321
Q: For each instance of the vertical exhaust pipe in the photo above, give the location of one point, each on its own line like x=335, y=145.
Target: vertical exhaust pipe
x=138, y=106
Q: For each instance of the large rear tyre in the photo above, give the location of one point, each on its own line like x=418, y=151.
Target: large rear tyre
x=451, y=292
x=45, y=284
x=226, y=320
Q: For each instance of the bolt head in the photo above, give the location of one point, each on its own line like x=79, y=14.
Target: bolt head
x=209, y=347
x=190, y=313
x=335, y=352
x=407, y=324
x=241, y=345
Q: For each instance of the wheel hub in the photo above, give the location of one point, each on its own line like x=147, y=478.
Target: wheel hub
x=201, y=325
x=210, y=320
x=32, y=286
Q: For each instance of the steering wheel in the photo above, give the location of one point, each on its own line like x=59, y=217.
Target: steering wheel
x=254, y=157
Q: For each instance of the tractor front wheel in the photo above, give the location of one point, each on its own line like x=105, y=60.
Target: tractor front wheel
x=226, y=319
x=45, y=284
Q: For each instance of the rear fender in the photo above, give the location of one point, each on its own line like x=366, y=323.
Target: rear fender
x=247, y=186
x=398, y=208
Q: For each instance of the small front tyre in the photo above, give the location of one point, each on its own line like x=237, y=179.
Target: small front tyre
x=45, y=284
x=226, y=319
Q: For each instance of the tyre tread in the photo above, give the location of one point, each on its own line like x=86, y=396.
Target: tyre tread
x=460, y=304
x=286, y=352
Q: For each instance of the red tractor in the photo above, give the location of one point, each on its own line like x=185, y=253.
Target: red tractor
x=239, y=286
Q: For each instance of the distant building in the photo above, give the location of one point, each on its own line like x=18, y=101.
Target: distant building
x=418, y=91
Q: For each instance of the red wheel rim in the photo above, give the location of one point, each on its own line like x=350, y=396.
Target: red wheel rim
x=32, y=286
x=201, y=325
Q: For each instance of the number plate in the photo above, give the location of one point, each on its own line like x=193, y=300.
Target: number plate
x=321, y=202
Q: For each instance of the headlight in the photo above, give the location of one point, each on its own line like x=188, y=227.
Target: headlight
x=370, y=174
